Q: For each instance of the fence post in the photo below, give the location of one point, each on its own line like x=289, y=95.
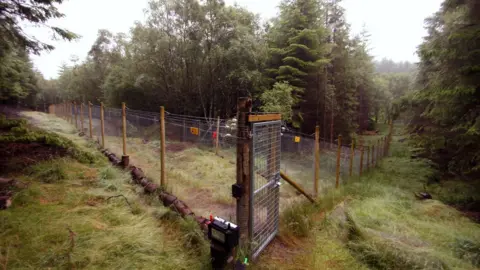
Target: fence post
x=218, y=135
x=361, y=159
x=368, y=158
x=317, y=159
x=76, y=113
x=244, y=106
x=81, y=117
x=337, y=181
x=125, y=158
x=102, y=124
x=90, y=118
x=352, y=155
x=162, y=147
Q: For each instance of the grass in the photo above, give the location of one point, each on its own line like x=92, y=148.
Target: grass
x=69, y=216
x=376, y=222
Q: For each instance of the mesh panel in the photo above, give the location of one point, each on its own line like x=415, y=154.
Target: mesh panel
x=264, y=199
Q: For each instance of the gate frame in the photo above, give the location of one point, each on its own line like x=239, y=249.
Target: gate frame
x=245, y=118
x=261, y=120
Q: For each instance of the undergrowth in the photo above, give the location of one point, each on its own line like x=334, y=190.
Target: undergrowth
x=78, y=211
x=376, y=222
x=18, y=131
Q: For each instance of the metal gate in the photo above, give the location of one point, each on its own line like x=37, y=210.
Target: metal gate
x=265, y=185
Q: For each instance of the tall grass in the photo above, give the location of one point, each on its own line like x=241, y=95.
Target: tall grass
x=376, y=222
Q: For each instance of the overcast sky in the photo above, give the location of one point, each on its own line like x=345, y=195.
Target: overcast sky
x=395, y=26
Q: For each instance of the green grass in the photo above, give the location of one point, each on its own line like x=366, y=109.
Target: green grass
x=69, y=217
x=376, y=222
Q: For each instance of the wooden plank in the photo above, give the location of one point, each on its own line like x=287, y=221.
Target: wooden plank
x=264, y=117
x=296, y=186
x=244, y=106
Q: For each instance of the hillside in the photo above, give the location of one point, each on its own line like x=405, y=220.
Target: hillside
x=376, y=222
x=73, y=210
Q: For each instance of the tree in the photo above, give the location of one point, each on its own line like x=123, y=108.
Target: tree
x=297, y=50
x=447, y=115
x=14, y=13
x=279, y=99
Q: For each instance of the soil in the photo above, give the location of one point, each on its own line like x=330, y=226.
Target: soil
x=17, y=156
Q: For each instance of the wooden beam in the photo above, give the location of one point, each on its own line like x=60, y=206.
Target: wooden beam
x=296, y=186
x=264, y=117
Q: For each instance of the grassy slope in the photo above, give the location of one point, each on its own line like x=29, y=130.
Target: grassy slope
x=106, y=233
x=376, y=223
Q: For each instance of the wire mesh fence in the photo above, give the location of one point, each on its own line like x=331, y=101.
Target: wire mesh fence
x=201, y=153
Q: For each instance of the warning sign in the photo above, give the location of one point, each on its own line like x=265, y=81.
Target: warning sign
x=194, y=131
x=297, y=139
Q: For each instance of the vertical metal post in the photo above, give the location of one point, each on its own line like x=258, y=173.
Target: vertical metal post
x=75, y=112
x=102, y=124
x=162, y=145
x=361, y=160
x=81, y=117
x=352, y=155
x=244, y=106
x=317, y=159
x=217, y=135
x=90, y=118
x=337, y=181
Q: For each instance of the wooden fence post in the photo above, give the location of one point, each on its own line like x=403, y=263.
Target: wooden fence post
x=125, y=158
x=352, y=155
x=317, y=159
x=90, y=118
x=102, y=124
x=217, y=135
x=361, y=160
x=244, y=106
x=81, y=117
x=162, y=147
x=337, y=181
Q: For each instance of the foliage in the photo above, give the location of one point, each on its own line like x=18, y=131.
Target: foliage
x=446, y=122
x=278, y=99
x=18, y=132
x=18, y=79
x=375, y=222
x=13, y=16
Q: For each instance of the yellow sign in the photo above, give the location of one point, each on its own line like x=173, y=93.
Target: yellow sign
x=297, y=139
x=194, y=131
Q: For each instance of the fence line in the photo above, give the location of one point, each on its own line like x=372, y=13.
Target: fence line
x=315, y=162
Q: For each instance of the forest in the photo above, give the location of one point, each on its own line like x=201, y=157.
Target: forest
x=197, y=57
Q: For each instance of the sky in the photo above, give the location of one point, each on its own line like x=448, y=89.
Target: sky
x=396, y=27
